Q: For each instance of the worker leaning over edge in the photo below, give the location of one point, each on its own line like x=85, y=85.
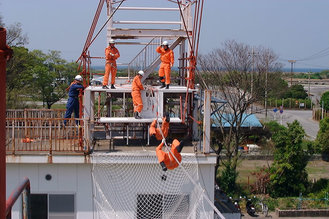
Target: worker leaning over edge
x=73, y=101
x=167, y=61
x=111, y=55
x=164, y=128
x=166, y=160
x=136, y=88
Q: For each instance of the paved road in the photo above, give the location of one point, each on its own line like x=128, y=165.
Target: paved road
x=310, y=126
x=272, y=215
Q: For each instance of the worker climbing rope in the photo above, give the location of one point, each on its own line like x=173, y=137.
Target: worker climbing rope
x=155, y=132
x=167, y=61
x=167, y=160
x=111, y=55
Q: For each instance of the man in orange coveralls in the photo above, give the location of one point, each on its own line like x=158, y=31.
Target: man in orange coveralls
x=166, y=160
x=136, y=88
x=167, y=61
x=155, y=132
x=111, y=55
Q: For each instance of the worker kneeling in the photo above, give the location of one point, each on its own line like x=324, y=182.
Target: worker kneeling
x=166, y=160
x=156, y=132
x=136, y=88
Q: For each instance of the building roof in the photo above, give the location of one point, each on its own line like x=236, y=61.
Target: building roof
x=248, y=120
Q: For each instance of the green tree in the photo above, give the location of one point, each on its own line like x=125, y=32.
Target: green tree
x=288, y=172
x=325, y=100
x=19, y=76
x=296, y=91
x=51, y=78
x=322, y=138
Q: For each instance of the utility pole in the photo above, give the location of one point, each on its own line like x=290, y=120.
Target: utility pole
x=252, y=78
x=309, y=88
x=291, y=69
x=266, y=85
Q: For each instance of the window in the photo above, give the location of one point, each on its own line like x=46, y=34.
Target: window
x=52, y=206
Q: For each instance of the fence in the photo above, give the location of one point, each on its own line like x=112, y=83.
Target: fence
x=40, y=131
x=290, y=103
x=319, y=114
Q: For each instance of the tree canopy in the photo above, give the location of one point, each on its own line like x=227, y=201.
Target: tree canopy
x=322, y=138
x=288, y=172
x=325, y=100
x=38, y=76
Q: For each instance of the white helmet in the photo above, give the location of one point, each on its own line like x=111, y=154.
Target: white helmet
x=78, y=78
x=112, y=41
x=165, y=43
x=141, y=73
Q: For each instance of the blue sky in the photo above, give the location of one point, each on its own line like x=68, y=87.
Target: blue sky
x=294, y=29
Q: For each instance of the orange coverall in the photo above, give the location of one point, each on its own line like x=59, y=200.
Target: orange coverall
x=167, y=158
x=156, y=131
x=167, y=60
x=111, y=64
x=136, y=88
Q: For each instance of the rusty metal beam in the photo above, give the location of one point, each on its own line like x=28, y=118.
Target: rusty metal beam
x=5, y=54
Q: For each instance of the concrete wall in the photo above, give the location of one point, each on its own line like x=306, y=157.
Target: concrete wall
x=66, y=179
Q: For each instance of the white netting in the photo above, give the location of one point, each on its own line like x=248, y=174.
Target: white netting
x=134, y=186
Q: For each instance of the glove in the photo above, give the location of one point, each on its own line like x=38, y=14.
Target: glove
x=163, y=140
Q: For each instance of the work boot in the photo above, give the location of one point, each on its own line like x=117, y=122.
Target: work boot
x=105, y=87
x=163, y=165
x=136, y=115
x=167, y=86
x=112, y=86
x=163, y=85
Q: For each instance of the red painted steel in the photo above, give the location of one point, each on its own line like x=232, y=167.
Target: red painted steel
x=5, y=54
x=24, y=185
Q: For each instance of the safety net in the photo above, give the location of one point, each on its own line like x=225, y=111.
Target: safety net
x=133, y=185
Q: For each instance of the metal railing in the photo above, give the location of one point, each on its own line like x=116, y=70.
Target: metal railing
x=24, y=189
x=46, y=135
x=144, y=58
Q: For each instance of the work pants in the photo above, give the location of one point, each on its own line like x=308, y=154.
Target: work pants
x=156, y=131
x=72, y=106
x=137, y=101
x=164, y=72
x=110, y=67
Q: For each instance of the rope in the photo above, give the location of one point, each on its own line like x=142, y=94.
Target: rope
x=191, y=179
x=110, y=17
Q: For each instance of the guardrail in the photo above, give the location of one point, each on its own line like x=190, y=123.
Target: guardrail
x=46, y=135
x=24, y=189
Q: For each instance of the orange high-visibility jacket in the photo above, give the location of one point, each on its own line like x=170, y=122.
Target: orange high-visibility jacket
x=167, y=158
x=166, y=56
x=137, y=84
x=108, y=51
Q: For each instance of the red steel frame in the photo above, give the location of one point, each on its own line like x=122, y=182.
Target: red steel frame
x=5, y=54
x=22, y=188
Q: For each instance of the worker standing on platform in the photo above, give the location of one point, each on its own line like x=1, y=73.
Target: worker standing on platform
x=167, y=61
x=166, y=160
x=136, y=88
x=164, y=128
x=111, y=55
x=73, y=101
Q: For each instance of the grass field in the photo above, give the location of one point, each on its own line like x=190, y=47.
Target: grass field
x=316, y=169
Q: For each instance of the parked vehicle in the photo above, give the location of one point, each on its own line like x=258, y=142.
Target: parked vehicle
x=250, y=208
